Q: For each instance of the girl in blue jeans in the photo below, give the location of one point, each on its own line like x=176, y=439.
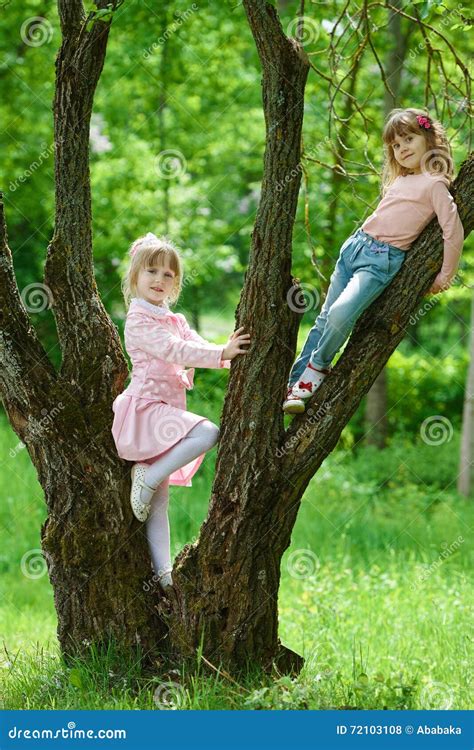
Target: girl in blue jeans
x=364, y=268
x=416, y=176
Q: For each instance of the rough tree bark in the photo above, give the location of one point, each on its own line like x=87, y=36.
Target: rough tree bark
x=227, y=582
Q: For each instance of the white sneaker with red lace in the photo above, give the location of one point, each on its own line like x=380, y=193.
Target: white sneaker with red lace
x=310, y=380
x=291, y=404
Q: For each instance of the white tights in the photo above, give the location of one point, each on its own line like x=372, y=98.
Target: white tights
x=199, y=440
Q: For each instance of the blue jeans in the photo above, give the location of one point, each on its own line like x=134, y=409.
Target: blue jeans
x=364, y=268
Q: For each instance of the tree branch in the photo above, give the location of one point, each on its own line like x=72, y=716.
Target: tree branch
x=71, y=16
x=84, y=328
x=26, y=374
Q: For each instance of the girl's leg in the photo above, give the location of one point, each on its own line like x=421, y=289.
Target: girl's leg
x=339, y=280
x=158, y=533
x=199, y=440
x=360, y=292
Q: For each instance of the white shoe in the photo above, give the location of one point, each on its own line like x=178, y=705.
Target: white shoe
x=140, y=509
x=165, y=579
x=293, y=405
x=309, y=382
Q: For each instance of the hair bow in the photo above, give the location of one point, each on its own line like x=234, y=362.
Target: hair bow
x=149, y=236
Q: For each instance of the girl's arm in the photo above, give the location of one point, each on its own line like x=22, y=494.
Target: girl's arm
x=191, y=335
x=152, y=336
x=453, y=232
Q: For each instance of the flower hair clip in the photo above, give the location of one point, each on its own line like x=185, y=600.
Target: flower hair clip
x=423, y=122
x=141, y=243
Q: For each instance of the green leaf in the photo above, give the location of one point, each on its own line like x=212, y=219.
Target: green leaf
x=104, y=14
x=75, y=678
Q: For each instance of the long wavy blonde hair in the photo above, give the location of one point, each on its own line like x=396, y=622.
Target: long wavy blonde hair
x=403, y=121
x=147, y=253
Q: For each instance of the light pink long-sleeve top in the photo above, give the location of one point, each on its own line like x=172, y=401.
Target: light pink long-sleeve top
x=408, y=206
x=161, y=344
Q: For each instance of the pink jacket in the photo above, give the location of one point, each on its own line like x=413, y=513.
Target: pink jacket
x=161, y=345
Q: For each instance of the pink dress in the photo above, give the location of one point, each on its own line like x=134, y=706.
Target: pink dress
x=150, y=415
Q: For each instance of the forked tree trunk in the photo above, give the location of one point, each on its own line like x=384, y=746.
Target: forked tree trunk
x=98, y=560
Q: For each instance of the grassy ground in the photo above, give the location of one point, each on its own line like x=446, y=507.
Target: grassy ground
x=375, y=594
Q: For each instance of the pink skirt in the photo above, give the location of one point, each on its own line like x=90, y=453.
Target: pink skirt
x=144, y=429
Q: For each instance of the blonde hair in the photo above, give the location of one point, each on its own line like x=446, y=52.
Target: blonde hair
x=403, y=121
x=147, y=253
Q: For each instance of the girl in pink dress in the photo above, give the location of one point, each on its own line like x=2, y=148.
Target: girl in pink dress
x=151, y=425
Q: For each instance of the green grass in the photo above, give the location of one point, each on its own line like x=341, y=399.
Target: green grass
x=376, y=594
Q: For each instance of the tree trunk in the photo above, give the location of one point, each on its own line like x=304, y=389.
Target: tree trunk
x=466, y=459
x=229, y=579
x=375, y=417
